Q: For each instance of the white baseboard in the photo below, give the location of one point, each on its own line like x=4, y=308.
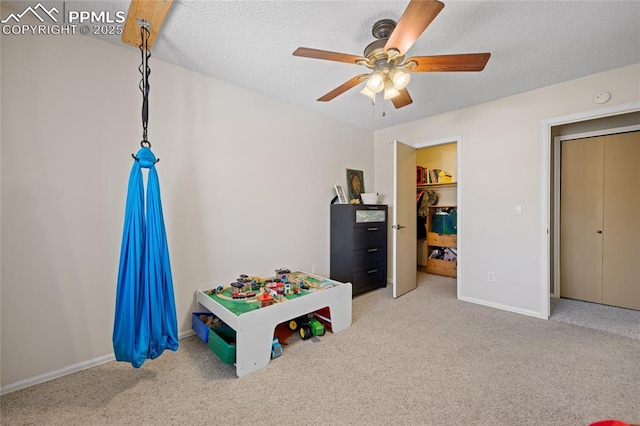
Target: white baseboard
x=56, y=374
x=69, y=370
x=503, y=307
x=186, y=333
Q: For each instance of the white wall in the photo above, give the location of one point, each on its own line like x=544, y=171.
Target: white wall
x=500, y=167
x=443, y=157
x=246, y=183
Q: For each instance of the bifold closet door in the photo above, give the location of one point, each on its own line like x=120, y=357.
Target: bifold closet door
x=621, y=244
x=581, y=218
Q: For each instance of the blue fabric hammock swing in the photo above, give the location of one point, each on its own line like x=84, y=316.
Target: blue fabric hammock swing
x=145, y=317
x=145, y=321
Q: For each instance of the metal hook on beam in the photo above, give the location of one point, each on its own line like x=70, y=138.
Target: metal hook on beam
x=144, y=23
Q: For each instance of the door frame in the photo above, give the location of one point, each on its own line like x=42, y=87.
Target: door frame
x=460, y=211
x=545, y=189
x=557, y=195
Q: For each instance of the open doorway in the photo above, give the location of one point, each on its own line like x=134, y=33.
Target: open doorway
x=553, y=131
x=577, y=138
x=596, y=235
x=437, y=178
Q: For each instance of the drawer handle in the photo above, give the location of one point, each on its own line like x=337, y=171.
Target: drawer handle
x=373, y=271
x=372, y=229
x=372, y=250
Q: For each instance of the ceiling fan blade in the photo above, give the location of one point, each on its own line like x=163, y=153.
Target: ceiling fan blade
x=402, y=100
x=415, y=19
x=325, y=54
x=153, y=11
x=439, y=63
x=343, y=87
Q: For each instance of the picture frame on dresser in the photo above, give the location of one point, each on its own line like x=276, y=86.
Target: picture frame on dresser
x=355, y=185
x=342, y=198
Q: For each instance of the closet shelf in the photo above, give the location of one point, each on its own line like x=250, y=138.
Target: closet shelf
x=439, y=184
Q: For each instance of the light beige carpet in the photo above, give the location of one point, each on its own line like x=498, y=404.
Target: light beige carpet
x=625, y=322
x=423, y=359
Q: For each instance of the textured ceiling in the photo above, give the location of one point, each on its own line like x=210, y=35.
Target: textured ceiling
x=532, y=44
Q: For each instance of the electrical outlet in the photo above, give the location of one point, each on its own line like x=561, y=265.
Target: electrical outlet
x=313, y=269
x=491, y=277
x=517, y=210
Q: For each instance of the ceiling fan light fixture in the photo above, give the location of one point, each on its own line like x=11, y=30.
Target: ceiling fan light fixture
x=389, y=71
x=399, y=78
x=390, y=92
x=375, y=83
x=368, y=93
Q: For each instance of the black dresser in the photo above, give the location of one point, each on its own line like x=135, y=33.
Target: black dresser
x=359, y=245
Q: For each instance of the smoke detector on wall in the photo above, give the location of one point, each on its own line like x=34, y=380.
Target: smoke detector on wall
x=602, y=98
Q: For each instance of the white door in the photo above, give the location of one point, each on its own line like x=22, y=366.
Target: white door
x=404, y=219
x=581, y=195
x=621, y=245
x=600, y=220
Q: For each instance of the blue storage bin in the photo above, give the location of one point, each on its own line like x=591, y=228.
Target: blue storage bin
x=199, y=327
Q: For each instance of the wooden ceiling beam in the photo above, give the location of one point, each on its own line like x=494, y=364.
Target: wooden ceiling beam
x=153, y=11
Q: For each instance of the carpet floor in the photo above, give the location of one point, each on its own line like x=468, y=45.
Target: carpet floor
x=625, y=322
x=425, y=358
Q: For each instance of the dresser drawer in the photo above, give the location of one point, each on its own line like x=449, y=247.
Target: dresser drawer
x=370, y=215
x=365, y=258
x=373, y=276
x=369, y=237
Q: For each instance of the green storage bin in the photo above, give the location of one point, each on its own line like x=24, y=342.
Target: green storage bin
x=445, y=224
x=222, y=341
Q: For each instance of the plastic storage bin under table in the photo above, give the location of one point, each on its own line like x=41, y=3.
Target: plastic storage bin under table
x=199, y=327
x=222, y=343
x=220, y=339
x=254, y=329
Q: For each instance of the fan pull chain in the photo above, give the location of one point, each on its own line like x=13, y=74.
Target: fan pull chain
x=373, y=105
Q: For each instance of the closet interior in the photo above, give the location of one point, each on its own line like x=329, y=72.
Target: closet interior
x=436, y=199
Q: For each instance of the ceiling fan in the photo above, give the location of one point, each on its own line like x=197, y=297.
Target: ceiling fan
x=385, y=56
